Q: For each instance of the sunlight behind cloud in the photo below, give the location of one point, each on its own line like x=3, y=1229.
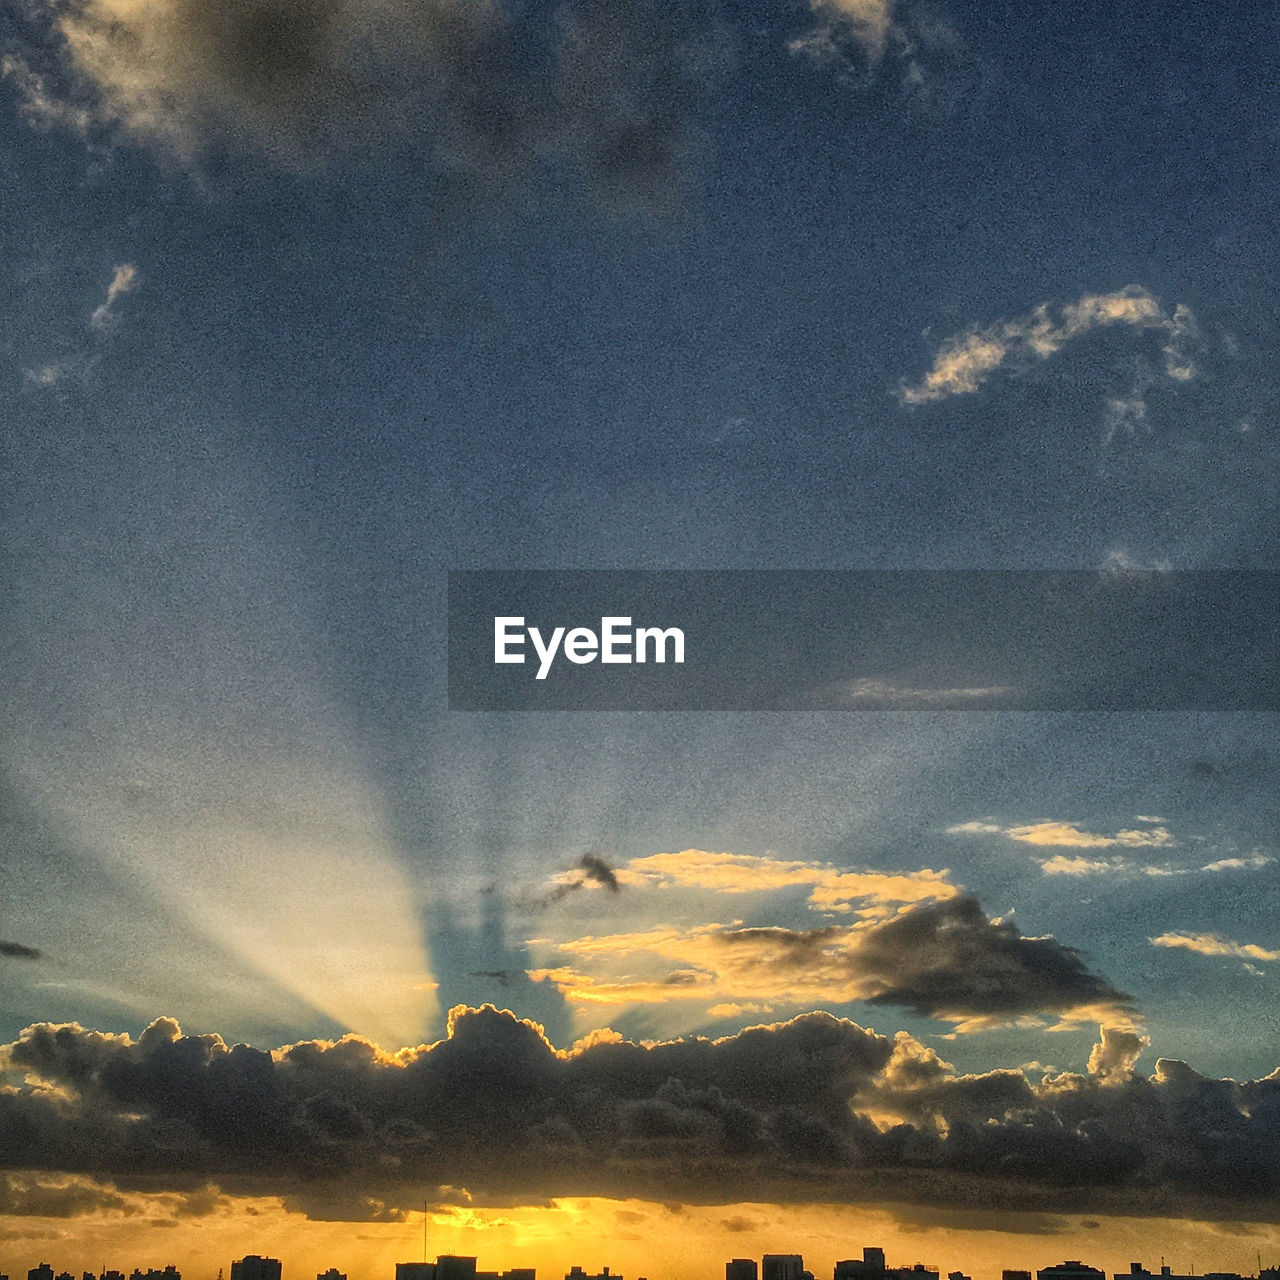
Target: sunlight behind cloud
x=173, y=716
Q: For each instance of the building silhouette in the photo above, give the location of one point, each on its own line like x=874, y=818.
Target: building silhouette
x=741, y=1269
x=253, y=1267
x=783, y=1266
x=332, y=1274
x=450, y=1266
x=415, y=1271
x=871, y=1266
x=1138, y=1272
x=1070, y=1270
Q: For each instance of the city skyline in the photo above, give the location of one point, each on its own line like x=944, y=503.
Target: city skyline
x=872, y=1265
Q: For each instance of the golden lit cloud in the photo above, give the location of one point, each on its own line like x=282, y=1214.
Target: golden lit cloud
x=964, y=362
x=1065, y=835
x=1212, y=944
x=831, y=889
x=946, y=960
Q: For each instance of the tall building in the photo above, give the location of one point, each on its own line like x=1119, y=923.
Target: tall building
x=43, y=1272
x=782, y=1266
x=332, y=1274
x=253, y=1267
x=869, y=1267
x=741, y=1269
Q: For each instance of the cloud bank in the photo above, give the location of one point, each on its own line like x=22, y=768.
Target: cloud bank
x=817, y=1108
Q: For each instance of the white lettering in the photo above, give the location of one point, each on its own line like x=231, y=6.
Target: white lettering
x=503, y=637
x=614, y=643
x=611, y=640
x=581, y=645
x=546, y=654
x=659, y=638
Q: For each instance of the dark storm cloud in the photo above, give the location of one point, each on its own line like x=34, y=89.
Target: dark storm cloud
x=17, y=951
x=485, y=92
x=948, y=960
x=779, y=1112
x=41, y=1198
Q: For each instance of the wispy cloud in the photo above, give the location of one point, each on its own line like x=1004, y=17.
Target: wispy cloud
x=1212, y=944
x=124, y=280
x=871, y=690
x=857, y=39
x=1056, y=834
x=1067, y=835
x=964, y=362
x=103, y=319
x=40, y=106
x=865, y=24
x=1254, y=862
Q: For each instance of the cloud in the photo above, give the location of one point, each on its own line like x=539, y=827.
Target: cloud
x=1254, y=862
x=102, y=320
x=949, y=961
x=1212, y=944
x=1068, y=835
x=867, y=689
x=964, y=362
x=867, y=24
x=17, y=951
x=1117, y=1051
x=944, y=960
x=816, y=1108
x=591, y=872
x=872, y=893
x=41, y=108
x=124, y=280
x=483, y=93
x=856, y=39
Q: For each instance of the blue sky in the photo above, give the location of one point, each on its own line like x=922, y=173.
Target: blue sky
x=307, y=306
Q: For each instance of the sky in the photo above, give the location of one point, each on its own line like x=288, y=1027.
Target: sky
x=307, y=304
